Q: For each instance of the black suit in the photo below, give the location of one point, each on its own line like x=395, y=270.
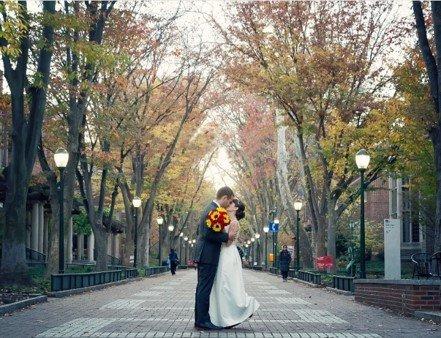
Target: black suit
x=207, y=253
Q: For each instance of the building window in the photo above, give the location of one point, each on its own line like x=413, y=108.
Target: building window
x=394, y=193
x=411, y=229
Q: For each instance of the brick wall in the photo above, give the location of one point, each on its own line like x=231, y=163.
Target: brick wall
x=401, y=296
x=377, y=201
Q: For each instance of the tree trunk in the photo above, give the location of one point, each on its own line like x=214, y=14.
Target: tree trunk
x=434, y=74
x=144, y=225
x=436, y=140
x=26, y=131
x=101, y=249
x=331, y=220
x=285, y=191
x=14, y=237
x=53, y=245
x=14, y=267
x=317, y=218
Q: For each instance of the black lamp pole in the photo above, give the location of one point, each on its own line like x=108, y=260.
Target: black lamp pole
x=362, y=228
x=135, y=246
x=266, y=250
x=61, y=225
x=298, y=241
x=180, y=249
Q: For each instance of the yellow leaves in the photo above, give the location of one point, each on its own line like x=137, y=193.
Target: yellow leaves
x=14, y=28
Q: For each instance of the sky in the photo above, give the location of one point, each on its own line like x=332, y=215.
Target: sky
x=195, y=22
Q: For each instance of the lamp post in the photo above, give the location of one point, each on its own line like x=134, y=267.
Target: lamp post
x=298, y=207
x=61, y=157
x=171, y=227
x=362, y=160
x=181, y=236
x=253, y=256
x=265, y=230
x=160, y=221
x=257, y=236
x=136, y=202
x=276, y=224
x=185, y=248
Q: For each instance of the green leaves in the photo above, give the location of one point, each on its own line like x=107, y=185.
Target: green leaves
x=13, y=28
x=81, y=224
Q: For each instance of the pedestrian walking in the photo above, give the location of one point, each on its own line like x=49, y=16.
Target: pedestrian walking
x=284, y=260
x=174, y=261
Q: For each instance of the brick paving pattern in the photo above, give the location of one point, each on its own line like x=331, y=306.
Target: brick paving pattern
x=163, y=307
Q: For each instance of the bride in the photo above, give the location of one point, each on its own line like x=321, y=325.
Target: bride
x=230, y=305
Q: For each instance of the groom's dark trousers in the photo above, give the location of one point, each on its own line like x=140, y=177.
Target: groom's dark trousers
x=207, y=256
x=206, y=274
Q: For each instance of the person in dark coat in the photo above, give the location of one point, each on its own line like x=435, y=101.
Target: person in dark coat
x=174, y=261
x=284, y=260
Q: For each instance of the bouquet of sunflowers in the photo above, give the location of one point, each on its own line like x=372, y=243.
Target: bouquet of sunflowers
x=218, y=219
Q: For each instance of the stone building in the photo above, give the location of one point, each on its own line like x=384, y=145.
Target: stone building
x=79, y=248
x=393, y=198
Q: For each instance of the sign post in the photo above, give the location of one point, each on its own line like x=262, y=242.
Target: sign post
x=392, y=249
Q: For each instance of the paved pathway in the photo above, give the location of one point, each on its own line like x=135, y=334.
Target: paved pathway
x=163, y=307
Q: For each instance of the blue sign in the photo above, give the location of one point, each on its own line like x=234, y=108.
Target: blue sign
x=273, y=227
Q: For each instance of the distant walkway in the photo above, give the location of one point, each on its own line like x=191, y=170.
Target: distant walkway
x=163, y=307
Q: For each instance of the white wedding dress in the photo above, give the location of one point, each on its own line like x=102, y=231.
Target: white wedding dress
x=229, y=302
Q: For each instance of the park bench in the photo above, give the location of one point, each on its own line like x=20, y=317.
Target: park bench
x=426, y=265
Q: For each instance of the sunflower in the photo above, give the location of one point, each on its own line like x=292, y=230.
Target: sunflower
x=217, y=219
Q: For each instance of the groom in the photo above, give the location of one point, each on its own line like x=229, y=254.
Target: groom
x=207, y=253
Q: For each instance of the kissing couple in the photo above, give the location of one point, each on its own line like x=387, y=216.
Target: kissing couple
x=221, y=300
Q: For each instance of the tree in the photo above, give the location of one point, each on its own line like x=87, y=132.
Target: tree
x=431, y=54
x=411, y=111
x=318, y=70
x=78, y=57
x=28, y=83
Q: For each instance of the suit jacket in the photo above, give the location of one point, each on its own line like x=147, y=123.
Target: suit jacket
x=209, y=242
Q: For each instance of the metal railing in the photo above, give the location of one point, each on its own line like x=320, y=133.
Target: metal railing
x=112, y=260
x=68, y=281
x=130, y=273
x=155, y=270
x=274, y=270
x=344, y=283
x=35, y=256
x=292, y=273
x=310, y=277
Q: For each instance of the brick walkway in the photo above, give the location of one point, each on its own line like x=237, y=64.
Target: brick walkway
x=163, y=307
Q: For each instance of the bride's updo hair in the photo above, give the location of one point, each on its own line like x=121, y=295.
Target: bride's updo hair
x=240, y=212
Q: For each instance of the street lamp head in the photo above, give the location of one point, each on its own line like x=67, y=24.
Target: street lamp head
x=266, y=229
x=298, y=205
x=160, y=220
x=276, y=221
x=181, y=234
x=248, y=242
x=246, y=245
x=362, y=159
x=136, y=202
x=257, y=235
x=186, y=238
x=171, y=228
x=252, y=239
x=61, y=157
